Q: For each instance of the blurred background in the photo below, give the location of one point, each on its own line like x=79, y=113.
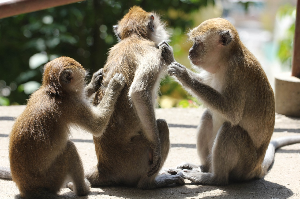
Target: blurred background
x=84, y=32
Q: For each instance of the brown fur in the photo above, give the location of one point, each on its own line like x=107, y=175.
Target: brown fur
x=40, y=152
x=237, y=126
x=135, y=144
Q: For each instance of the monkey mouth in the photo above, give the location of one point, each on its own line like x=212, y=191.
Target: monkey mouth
x=194, y=61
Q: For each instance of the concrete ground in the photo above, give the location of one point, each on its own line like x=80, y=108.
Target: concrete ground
x=282, y=181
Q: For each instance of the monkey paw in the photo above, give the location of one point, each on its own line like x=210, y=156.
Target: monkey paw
x=187, y=166
x=97, y=79
x=178, y=70
x=117, y=82
x=166, y=52
x=192, y=175
x=167, y=180
x=174, y=171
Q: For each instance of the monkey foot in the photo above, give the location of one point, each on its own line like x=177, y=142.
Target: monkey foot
x=167, y=180
x=192, y=175
x=187, y=166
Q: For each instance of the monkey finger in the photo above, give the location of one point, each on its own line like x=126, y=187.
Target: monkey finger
x=180, y=180
x=187, y=166
x=192, y=175
x=176, y=179
x=118, y=77
x=178, y=65
x=121, y=79
x=98, y=80
x=98, y=73
x=163, y=43
x=174, y=65
x=171, y=72
x=173, y=171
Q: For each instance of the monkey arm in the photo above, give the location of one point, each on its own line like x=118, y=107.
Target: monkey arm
x=141, y=93
x=227, y=104
x=230, y=103
x=95, y=119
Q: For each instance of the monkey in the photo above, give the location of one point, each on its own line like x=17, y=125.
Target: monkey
x=236, y=128
x=41, y=155
x=90, y=90
x=135, y=145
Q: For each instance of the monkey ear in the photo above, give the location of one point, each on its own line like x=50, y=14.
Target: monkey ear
x=66, y=76
x=151, y=23
x=225, y=37
x=115, y=28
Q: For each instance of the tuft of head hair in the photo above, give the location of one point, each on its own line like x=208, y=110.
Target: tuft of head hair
x=144, y=24
x=219, y=26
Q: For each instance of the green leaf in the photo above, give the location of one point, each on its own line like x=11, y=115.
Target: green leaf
x=4, y=101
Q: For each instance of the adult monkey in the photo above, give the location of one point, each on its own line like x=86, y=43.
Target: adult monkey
x=235, y=130
x=135, y=145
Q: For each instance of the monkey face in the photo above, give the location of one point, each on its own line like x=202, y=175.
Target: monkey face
x=205, y=52
x=210, y=43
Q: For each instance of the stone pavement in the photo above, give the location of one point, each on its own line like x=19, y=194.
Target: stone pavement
x=283, y=180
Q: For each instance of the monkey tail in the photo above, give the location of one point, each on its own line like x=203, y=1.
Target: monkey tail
x=273, y=146
x=5, y=173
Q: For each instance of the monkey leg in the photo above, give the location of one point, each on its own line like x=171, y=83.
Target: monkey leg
x=164, y=139
x=204, y=144
x=225, y=157
x=205, y=141
x=98, y=179
x=161, y=180
x=75, y=170
x=49, y=181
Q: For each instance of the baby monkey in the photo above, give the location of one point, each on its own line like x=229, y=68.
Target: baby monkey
x=40, y=152
x=235, y=130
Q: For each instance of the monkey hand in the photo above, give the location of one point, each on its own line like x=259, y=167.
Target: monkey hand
x=156, y=160
x=166, y=52
x=117, y=82
x=178, y=70
x=97, y=80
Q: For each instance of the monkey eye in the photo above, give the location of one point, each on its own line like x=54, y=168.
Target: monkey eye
x=152, y=17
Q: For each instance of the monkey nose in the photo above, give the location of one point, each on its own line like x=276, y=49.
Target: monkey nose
x=192, y=53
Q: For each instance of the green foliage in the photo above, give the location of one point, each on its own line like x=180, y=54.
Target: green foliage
x=4, y=101
x=191, y=102
x=285, y=50
x=82, y=31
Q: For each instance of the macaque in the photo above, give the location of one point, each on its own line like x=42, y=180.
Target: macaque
x=135, y=145
x=41, y=155
x=236, y=128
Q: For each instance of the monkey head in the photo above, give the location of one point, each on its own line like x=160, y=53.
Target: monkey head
x=212, y=42
x=146, y=25
x=63, y=74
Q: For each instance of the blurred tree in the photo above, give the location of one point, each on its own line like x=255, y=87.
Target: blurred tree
x=82, y=31
x=285, y=50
